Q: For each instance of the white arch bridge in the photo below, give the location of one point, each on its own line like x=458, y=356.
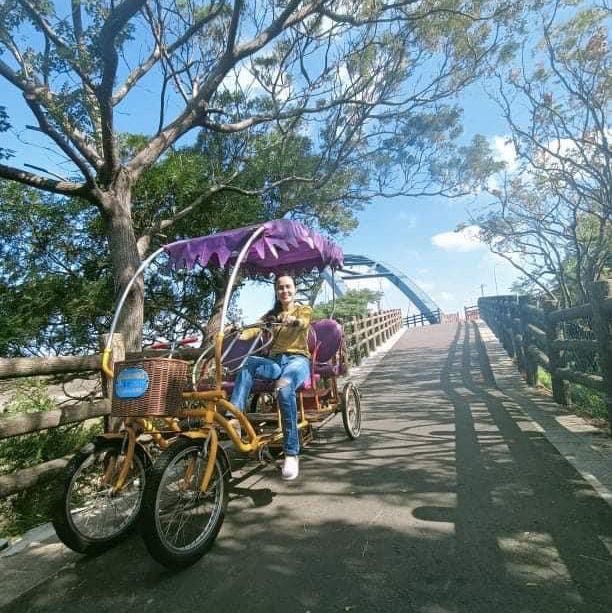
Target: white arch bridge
x=363, y=267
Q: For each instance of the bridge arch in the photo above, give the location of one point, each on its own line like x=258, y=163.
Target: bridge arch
x=353, y=269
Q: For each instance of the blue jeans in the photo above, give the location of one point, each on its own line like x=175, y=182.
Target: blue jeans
x=293, y=370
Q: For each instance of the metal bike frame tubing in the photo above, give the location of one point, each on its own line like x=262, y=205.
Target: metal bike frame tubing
x=232, y=280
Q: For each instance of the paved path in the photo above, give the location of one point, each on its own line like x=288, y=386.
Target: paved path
x=453, y=501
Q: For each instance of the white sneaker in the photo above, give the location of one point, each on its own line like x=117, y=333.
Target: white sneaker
x=235, y=424
x=291, y=468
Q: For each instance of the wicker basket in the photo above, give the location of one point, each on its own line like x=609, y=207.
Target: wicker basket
x=151, y=387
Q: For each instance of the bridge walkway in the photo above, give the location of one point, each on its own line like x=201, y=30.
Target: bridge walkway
x=453, y=500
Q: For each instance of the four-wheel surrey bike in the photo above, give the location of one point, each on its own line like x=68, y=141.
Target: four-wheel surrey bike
x=181, y=497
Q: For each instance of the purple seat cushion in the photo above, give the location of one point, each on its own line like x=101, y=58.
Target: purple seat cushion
x=234, y=354
x=227, y=386
x=325, y=338
x=327, y=370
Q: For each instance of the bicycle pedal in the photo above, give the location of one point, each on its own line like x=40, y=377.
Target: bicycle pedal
x=264, y=455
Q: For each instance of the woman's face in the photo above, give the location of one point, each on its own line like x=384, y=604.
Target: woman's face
x=285, y=290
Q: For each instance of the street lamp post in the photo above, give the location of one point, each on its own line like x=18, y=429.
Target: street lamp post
x=495, y=278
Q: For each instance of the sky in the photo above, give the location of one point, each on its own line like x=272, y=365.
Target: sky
x=415, y=235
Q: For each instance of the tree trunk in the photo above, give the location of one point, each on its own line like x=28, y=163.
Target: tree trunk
x=124, y=260
x=221, y=280
x=212, y=327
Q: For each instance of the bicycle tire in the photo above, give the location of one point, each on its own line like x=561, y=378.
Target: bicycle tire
x=351, y=410
x=85, y=507
x=170, y=500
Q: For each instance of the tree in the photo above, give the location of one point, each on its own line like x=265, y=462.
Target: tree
x=370, y=80
x=4, y=126
x=54, y=282
x=55, y=290
x=352, y=304
x=551, y=216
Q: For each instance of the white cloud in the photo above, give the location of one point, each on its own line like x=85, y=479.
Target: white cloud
x=342, y=73
x=446, y=296
x=464, y=240
x=241, y=78
x=504, y=151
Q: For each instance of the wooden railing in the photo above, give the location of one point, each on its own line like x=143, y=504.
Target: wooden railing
x=471, y=313
x=535, y=336
x=363, y=335
x=423, y=318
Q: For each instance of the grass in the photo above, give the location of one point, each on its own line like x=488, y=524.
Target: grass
x=585, y=401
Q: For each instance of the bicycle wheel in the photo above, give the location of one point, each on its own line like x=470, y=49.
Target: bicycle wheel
x=87, y=515
x=351, y=411
x=179, y=523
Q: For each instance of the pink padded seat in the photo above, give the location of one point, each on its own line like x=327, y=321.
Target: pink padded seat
x=324, y=342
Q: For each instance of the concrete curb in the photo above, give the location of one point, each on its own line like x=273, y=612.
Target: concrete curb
x=585, y=447
x=358, y=374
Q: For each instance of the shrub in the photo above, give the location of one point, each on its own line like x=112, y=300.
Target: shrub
x=31, y=507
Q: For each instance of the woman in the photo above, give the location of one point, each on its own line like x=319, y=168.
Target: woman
x=288, y=365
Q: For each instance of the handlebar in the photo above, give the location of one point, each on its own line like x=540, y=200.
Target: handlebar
x=208, y=351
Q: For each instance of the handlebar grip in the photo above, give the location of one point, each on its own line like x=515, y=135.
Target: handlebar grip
x=106, y=355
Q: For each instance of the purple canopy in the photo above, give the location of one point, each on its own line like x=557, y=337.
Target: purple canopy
x=283, y=246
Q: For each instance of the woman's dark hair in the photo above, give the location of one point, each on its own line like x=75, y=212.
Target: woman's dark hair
x=278, y=307
x=274, y=311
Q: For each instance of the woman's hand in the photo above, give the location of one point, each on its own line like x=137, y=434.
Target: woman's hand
x=289, y=320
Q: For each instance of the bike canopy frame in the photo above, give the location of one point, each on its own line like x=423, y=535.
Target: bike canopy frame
x=278, y=246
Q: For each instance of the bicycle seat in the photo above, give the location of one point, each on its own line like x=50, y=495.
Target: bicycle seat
x=324, y=343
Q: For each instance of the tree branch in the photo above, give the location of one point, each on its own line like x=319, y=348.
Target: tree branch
x=39, y=94
x=110, y=30
x=66, y=188
x=142, y=69
x=58, y=41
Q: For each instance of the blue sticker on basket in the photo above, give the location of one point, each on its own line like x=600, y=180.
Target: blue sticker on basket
x=131, y=383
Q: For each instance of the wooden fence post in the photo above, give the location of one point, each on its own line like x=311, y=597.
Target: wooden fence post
x=355, y=350
x=364, y=344
x=601, y=292
x=560, y=388
x=506, y=328
x=517, y=336
x=370, y=333
x=531, y=367
x=379, y=330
